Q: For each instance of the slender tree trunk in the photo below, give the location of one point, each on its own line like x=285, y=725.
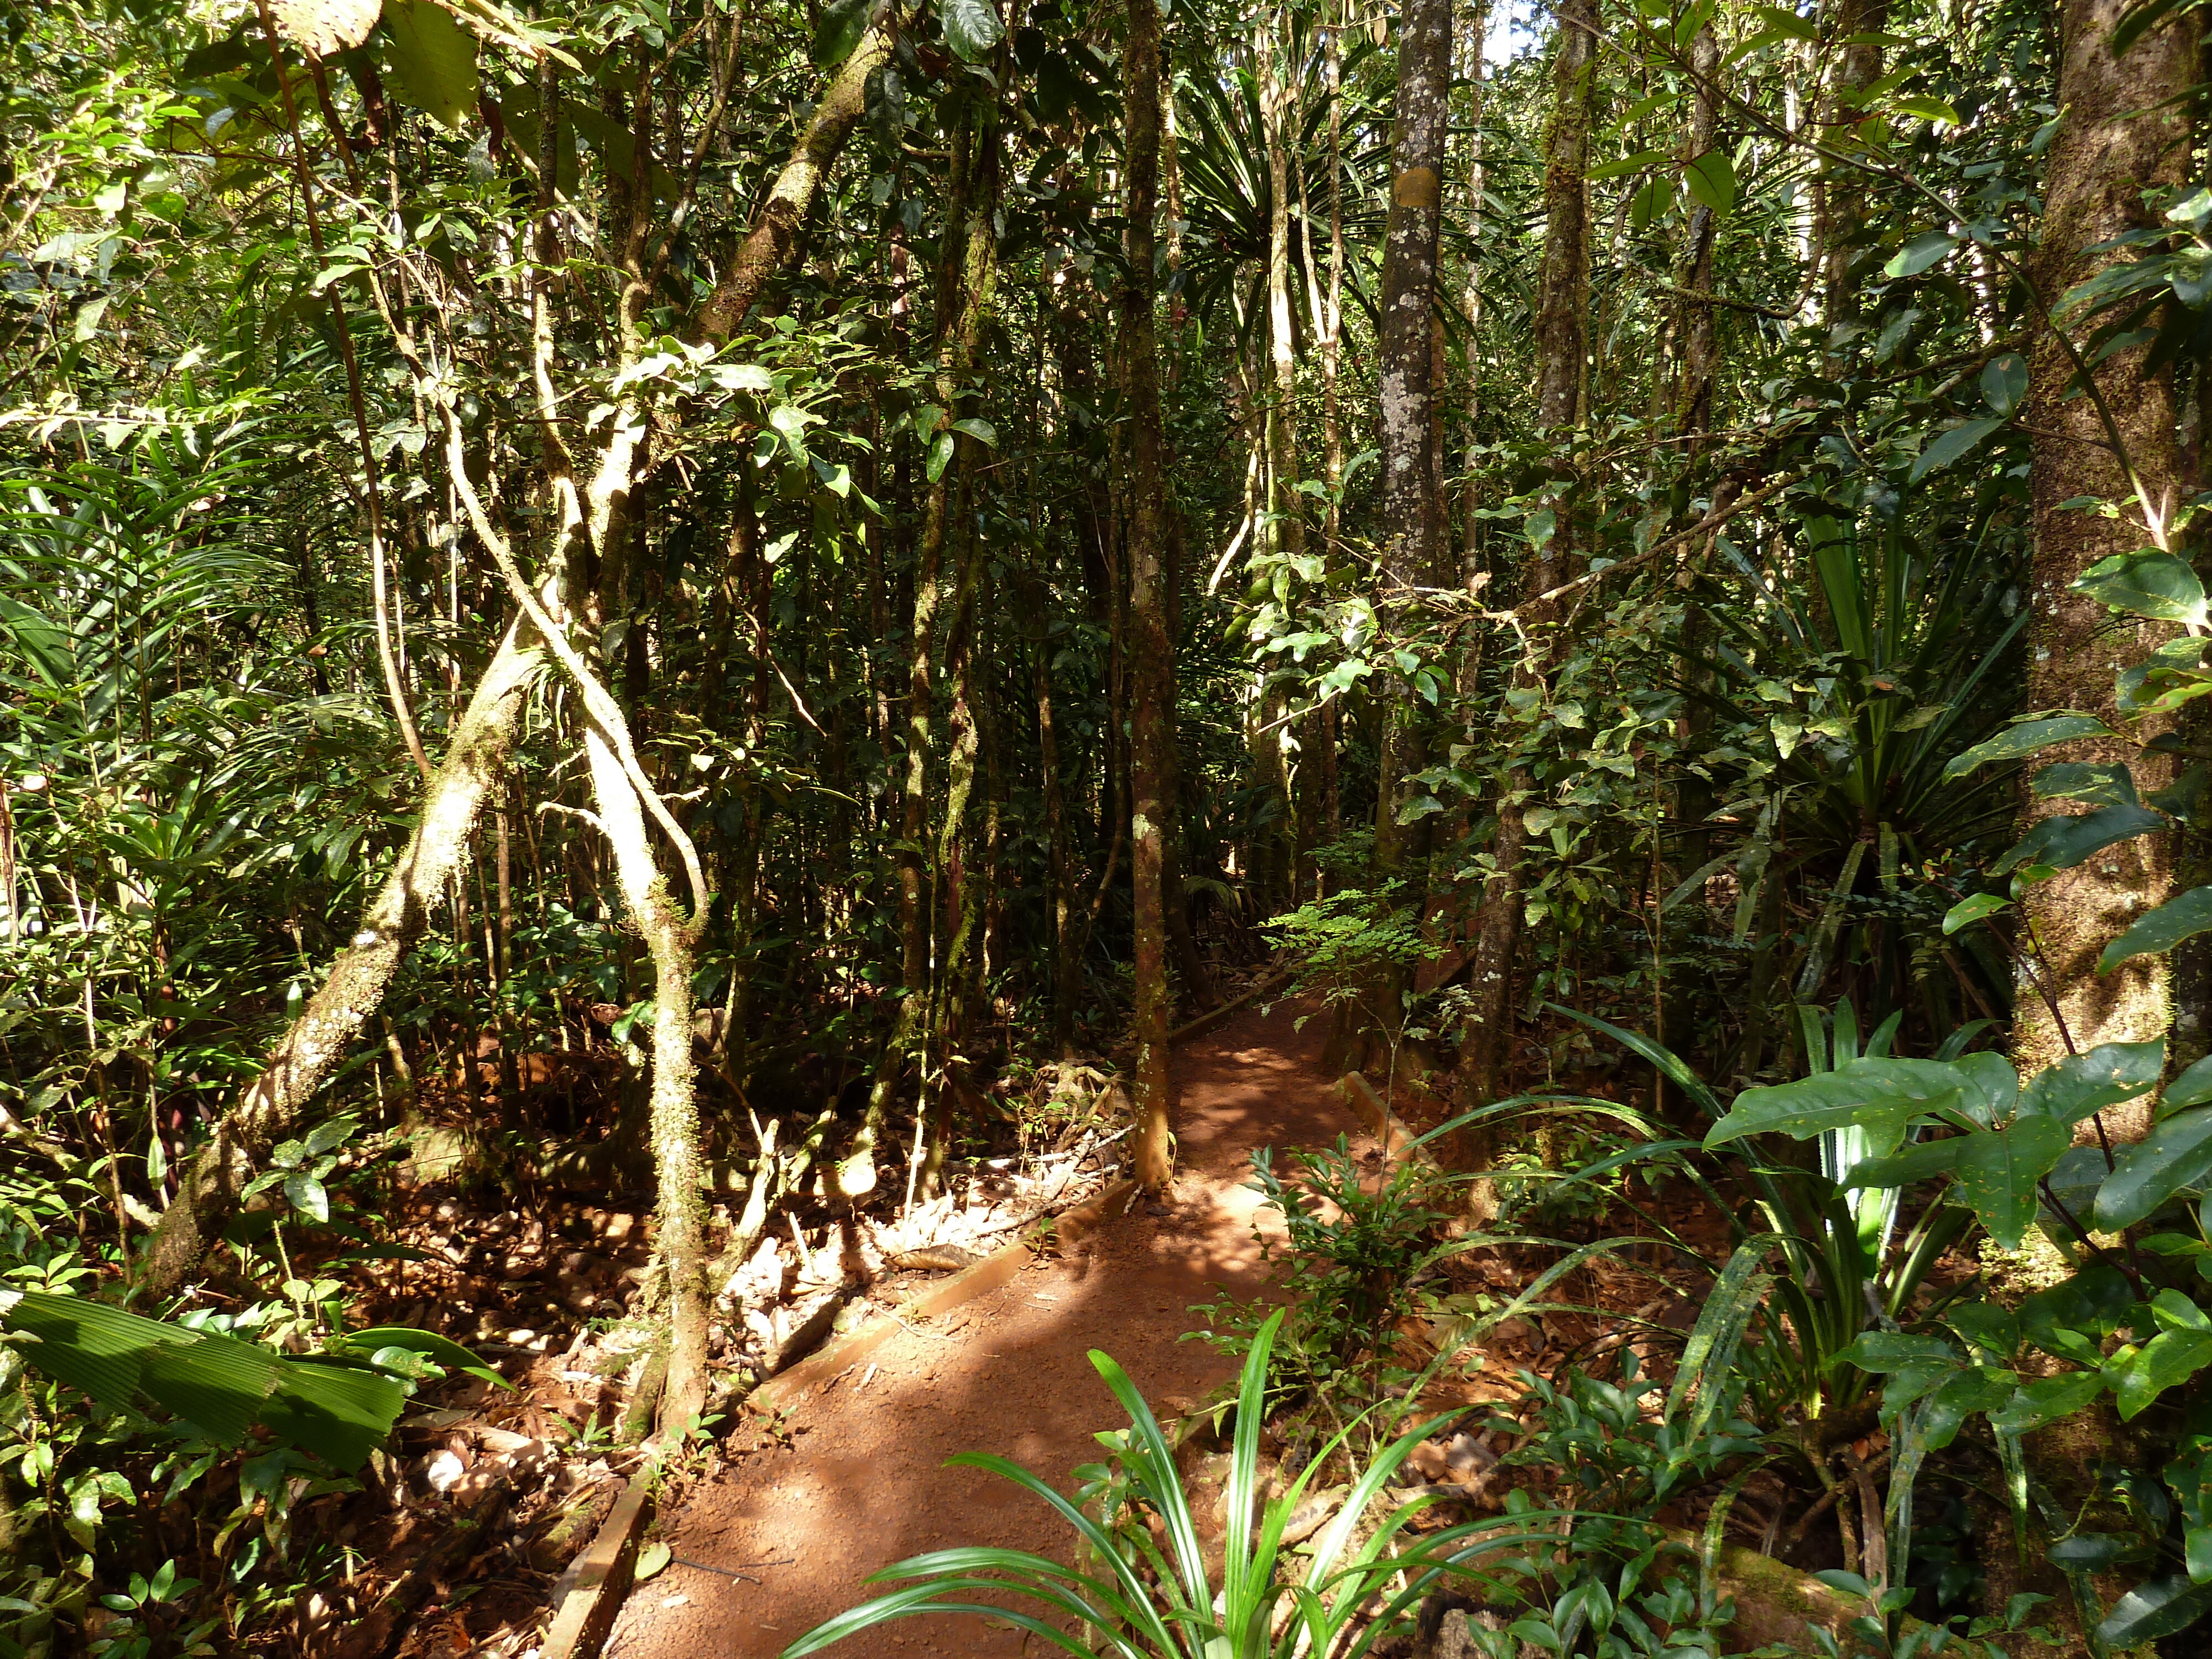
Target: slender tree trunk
x=1152, y=732
x=1843, y=197
x=1287, y=529
x=277, y=1104
x=1561, y=346
x=1412, y=529
x=2124, y=128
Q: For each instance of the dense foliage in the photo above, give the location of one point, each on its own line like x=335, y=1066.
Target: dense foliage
x=636, y=595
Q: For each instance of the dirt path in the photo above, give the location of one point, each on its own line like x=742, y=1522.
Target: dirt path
x=863, y=1483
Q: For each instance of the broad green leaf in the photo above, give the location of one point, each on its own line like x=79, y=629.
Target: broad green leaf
x=306, y=1195
x=2150, y=1613
x=216, y=1383
x=1998, y=1169
x=2138, y=20
x=2046, y=1401
x=971, y=27
x=1947, y=446
x=432, y=58
x=2193, y=1088
x=1988, y=1085
x=2068, y=839
x=2081, y=1086
x=1711, y=181
x=839, y=30
x=650, y=1560
x=2094, y=784
x=1979, y=1388
x=338, y=1413
x=2176, y=1154
x=1879, y=1095
x=2161, y=930
x=1881, y=1352
x=2139, y=1375
x=1973, y=909
x=1627, y=164
x=1921, y=251
x=2004, y=382
x=940, y=456
x=1777, y=19
x=2018, y=742
x=1928, y=109
x=1922, y=1161
x=2148, y=583
x=981, y=430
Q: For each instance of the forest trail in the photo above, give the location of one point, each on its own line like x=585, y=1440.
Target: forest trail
x=862, y=1482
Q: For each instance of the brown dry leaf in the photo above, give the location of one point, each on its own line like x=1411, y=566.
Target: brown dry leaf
x=323, y=27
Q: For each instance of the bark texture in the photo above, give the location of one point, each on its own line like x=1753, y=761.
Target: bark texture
x=275, y=1106
x=1151, y=728
x=776, y=232
x=1413, y=521
x=2124, y=128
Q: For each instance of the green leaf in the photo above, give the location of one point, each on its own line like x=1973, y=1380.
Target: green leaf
x=2028, y=738
x=2004, y=382
x=1998, y=1169
x=2046, y=1401
x=432, y=58
x=2081, y=1086
x=1921, y=251
x=1879, y=1095
x=2161, y=929
x=1928, y=109
x=1922, y=1161
x=2088, y=781
x=2149, y=582
x=2132, y=27
x=1627, y=164
x=841, y=25
x=216, y=1383
x=2176, y=1154
x=1972, y=909
x=1778, y=21
x=1883, y=1351
x=971, y=27
x=1948, y=446
x=981, y=430
x=1711, y=181
x=940, y=456
x=2067, y=840
x=443, y=1349
x=338, y=1413
x=2148, y=1613
x=2193, y=1088
x=306, y=1195
x=650, y=1560
x=2139, y=1375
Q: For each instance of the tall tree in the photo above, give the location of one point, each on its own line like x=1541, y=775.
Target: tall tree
x=2124, y=128
x=1562, y=346
x=1413, y=521
x=1151, y=728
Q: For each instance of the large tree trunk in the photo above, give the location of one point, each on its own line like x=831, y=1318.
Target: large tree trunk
x=1561, y=346
x=2124, y=128
x=1413, y=523
x=1151, y=730
x=776, y=232
x=276, y=1105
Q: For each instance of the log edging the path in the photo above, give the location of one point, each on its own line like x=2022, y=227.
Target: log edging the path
x=1385, y=1125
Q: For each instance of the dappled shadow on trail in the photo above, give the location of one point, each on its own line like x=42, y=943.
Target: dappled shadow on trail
x=862, y=1482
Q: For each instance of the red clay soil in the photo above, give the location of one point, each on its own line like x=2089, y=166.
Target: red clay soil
x=862, y=1482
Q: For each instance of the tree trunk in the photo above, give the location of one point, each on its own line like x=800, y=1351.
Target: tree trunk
x=776, y=231
x=1151, y=731
x=1561, y=345
x=2124, y=128
x=1412, y=530
x=275, y=1106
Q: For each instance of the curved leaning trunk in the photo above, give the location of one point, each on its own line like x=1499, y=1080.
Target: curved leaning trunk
x=769, y=242
x=276, y=1105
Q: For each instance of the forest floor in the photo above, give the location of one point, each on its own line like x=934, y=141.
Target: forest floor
x=854, y=1478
